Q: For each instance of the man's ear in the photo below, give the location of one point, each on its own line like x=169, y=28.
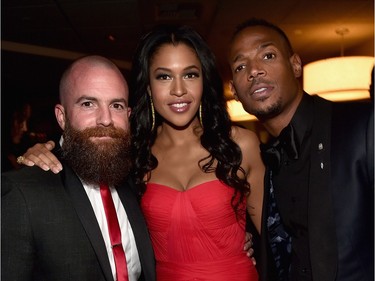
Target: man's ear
x=233, y=90
x=60, y=115
x=296, y=63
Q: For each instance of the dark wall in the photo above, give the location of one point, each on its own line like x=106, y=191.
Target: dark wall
x=32, y=79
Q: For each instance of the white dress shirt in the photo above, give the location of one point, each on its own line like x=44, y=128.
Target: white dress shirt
x=127, y=236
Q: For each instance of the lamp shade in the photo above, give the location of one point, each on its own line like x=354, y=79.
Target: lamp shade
x=237, y=113
x=339, y=79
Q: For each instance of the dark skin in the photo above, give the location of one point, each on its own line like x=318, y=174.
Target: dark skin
x=265, y=76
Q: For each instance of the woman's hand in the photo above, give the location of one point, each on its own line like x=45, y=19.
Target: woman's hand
x=248, y=246
x=40, y=154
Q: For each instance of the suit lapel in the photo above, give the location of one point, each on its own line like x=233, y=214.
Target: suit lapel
x=138, y=224
x=87, y=217
x=322, y=233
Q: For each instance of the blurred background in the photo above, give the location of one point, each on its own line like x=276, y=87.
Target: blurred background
x=40, y=38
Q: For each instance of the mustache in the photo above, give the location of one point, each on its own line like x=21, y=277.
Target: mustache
x=103, y=132
x=108, y=162
x=259, y=80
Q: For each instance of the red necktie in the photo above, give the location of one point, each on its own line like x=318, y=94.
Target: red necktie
x=114, y=233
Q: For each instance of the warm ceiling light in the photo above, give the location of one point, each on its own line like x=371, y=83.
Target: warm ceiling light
x=335, y=79
x=235, y=109
x=340, y=78
x=237, y=113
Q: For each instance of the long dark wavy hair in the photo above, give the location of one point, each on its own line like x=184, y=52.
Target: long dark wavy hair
x=216, y=136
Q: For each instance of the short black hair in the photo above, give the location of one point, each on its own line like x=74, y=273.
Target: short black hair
x=262, y=22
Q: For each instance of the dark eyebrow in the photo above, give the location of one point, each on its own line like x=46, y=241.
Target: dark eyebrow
x=120, y=100
x=190, y=67
x=260, y=47
x=236, y=58
x=265, y=45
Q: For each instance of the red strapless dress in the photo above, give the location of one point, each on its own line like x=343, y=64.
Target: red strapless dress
x=196, y=234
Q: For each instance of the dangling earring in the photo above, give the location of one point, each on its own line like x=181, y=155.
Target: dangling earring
x=152, y=114
x=200, y=115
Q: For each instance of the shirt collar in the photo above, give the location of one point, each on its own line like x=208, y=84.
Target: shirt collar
x=302, y=120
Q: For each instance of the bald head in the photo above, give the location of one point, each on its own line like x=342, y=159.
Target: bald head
x=84, y=67
x=94, y=116
x=93, y=92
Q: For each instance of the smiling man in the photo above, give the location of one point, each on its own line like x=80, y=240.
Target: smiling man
x=55, y=226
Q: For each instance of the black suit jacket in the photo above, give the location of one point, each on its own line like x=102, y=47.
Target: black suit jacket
x=341, y=195
x=50, y=232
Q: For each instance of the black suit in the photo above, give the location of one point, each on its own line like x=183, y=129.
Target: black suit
x=340, y=193
x=50, y=232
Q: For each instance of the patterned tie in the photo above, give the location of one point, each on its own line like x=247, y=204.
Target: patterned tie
x=279, y=240
x=114, y=233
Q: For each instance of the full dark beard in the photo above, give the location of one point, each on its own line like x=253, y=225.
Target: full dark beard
x=107, y=161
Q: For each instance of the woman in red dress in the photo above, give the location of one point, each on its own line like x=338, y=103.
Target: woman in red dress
x=198, y=172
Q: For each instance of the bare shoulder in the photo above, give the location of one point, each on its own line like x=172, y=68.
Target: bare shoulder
x=248, y=142
x=245, y=138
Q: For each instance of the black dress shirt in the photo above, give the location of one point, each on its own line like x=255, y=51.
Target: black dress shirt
x=291, y=184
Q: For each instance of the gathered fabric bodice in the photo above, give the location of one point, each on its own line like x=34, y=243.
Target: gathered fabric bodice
x=196, y=234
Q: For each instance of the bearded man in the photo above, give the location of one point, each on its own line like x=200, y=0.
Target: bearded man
x=56, y=226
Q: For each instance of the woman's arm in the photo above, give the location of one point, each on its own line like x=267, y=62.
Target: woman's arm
x=40, y=154
x=255, y=170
